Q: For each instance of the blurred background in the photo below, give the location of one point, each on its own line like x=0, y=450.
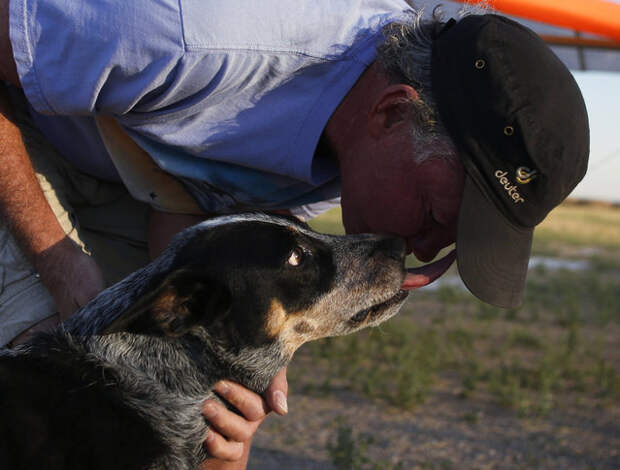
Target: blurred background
x=452, y=383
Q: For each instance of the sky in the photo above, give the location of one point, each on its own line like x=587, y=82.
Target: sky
x=601, y=93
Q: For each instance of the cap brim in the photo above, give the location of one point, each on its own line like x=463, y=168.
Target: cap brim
x=492, y=254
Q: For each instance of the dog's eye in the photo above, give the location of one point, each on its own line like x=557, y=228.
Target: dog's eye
x=296, y=257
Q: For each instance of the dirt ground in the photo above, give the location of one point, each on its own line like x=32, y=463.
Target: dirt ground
x=446, y=432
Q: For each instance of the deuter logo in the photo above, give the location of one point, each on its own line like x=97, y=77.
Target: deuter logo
x=525, y=175
x=511, y=189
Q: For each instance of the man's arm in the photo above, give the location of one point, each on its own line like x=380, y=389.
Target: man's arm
x=21, y=199
x=71, y=276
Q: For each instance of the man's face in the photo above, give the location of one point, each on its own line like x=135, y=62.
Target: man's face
x=387, y=192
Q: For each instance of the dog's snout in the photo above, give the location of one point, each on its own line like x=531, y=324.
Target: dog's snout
x=392, y=247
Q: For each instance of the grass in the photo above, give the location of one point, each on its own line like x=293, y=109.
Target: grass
x=560, y=348
x=395, y=364
x=349, y=451
x=329, y=222
x=580, y=224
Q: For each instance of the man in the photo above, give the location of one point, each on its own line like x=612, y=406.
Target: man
x=468, y=131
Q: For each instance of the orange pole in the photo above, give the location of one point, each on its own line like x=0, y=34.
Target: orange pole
x=592, y=16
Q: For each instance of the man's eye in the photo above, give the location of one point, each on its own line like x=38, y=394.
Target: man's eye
x=296, y=257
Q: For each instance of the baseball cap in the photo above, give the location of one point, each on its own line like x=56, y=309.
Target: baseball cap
x=519, y=122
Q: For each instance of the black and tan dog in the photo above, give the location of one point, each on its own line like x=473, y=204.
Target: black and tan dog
x=120, y=386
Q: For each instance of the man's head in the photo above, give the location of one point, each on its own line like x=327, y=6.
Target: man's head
x=471, y=132
x=395, y=179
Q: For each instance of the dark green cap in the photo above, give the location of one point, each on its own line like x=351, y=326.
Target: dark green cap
x=520, y=125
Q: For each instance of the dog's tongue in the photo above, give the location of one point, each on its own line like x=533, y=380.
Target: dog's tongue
x=424, y=275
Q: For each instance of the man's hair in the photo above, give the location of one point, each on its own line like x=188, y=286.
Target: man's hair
x=405, y=57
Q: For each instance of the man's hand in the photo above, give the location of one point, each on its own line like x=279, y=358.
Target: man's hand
x=71, y=276
x=230, y=436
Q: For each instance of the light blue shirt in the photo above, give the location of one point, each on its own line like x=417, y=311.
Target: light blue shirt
x=230, y=96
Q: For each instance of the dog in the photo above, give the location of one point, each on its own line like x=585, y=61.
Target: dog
x=121, y=384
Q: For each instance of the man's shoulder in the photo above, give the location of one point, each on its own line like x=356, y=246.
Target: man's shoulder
x=317, y=28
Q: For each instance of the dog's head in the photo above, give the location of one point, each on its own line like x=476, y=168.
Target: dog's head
x=255, y=279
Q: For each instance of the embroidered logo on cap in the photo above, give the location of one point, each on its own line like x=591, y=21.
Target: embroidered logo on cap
x=525, y=175
x=510, y=189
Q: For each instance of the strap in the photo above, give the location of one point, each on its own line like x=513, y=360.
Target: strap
x=143, y=178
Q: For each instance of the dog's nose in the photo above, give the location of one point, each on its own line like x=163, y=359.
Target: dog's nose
x=392, y=247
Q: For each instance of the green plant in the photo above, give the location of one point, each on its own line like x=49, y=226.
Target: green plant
x=525, y=339
x=350, y=451
x=607, y=379
x=397, y=363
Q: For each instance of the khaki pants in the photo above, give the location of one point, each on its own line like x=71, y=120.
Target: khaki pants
x=100, y=216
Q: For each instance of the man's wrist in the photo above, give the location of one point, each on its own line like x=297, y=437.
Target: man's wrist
x=55, y=255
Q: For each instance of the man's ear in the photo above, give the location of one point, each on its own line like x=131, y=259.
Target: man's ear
x=391, y=109
x=183, y=300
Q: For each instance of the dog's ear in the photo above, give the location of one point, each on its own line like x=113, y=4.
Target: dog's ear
x=186, y=298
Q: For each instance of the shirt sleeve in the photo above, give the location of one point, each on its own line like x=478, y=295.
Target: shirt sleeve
x=91, y=56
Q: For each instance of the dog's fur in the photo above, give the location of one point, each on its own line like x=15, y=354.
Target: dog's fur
x=121, y=384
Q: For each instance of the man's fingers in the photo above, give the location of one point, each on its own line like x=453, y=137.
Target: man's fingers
x=219, y=448
x=251, y=405
x=277, y=392
x=228, y=423
x=230, y=432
